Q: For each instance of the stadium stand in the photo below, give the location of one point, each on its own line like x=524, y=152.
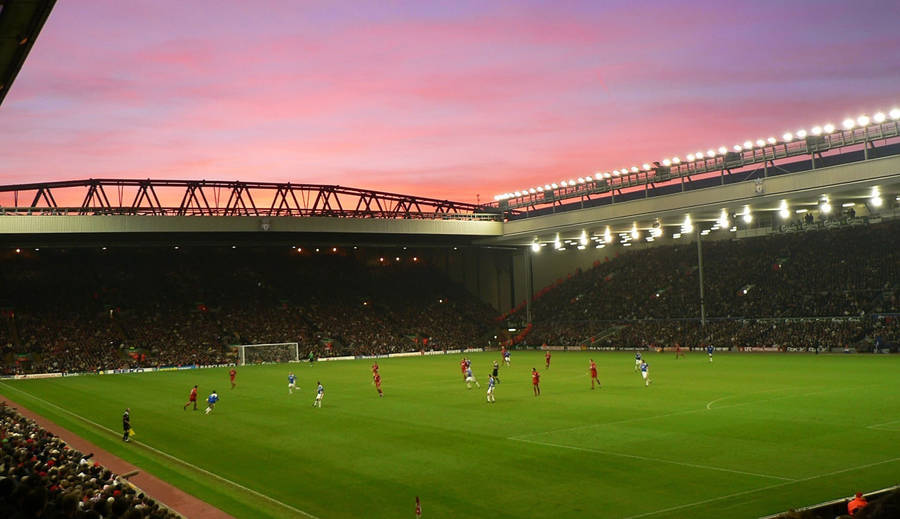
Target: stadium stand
x=84, y=310
x=41, y=476
x=826, y=288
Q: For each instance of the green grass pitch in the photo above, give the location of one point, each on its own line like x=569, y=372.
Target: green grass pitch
x=744, y=436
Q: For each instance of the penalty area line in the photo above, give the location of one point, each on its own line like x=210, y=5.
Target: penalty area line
x=169, y=456
x=657, y=460
x=769, y=487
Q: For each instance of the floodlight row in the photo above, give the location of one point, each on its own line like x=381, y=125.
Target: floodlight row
x=848, y=124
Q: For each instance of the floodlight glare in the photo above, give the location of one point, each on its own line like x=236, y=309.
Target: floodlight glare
x=634, y=232
x=760, y=143
x=564, y=183
x=829, y=128
x=722, y=150
x=598, y=176
x=895, y=113
x=817, y=130
x=862, y=120
x=535, y=247
x=583, y=239
x=554, y=185
x=518, y=193
x=737, y=148
x=616, y=172
x=848, y=124
x=676, y=160
x=540, y=189
x=645, y=166
x=879, y=117
x=723, y=219
x=787, y=137
x=581, y=180
x=634, y=169
x=825, y=207
x=532, y=191
x=690, y=157
x=606, y=175
x=571, y=182
x=771, y=140
x=877, y=201
x=667, y=162
x=747, y=217
x=848, y=204
x=607, y=235
x=748, y=145
x=784, y=213
x=801, y=134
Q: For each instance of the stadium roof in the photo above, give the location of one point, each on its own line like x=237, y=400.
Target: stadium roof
x=20, y=23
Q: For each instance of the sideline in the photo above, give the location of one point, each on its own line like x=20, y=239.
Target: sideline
x=167, y=455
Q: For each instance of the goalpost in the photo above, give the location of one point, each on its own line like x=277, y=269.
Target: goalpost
x=259, y=353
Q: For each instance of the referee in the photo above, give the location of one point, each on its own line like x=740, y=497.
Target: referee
x=126, y=424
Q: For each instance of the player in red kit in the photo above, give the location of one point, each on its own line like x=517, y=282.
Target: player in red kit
x=374, y=369
x=547, y=359
x=594, y=374
x=678, y=351
x=535, y=382
x=192, y=398
x=232, y=374
x=377, y=380
x=462, y=367
x=418, y=508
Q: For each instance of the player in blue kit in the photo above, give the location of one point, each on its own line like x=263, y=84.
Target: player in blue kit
x=292, y=383
x=490, y=391
x=211, y=401
x=637, y=360
x=470, y=378
x=320, y=394
x=709, y=351
x=645, y=373
x=506, y=357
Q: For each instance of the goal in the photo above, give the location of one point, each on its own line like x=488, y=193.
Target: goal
x=264, y=353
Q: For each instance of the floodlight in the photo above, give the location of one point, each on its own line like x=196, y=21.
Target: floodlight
x=571, y=182
x=496, y=198
x=829, y=128
x=722, y=150
x=634, y=231
x=690, y=157
x=667, y=162
x=532, y=191
x=581, y=180
x=787, y=137
x=540, y=189
x=817, y=130
x=723, y=219
x=598, y=176
x=825, y=207
x=801, y=134
x=518, y=193
x=760, y=143
x=747, y=217
x=535, y=247
x=645, y=166
x=676, y=236
x=616, y=172
x=583, y=239
x=554, y=185
x=676, y=160
x=784, y=213
x=771, y=140
x=737, y=148
x=606, y=175
x=848, y=124
x=862, y=120
x=564, y=183
x=748, y=145
x=878, y=118
x=877, y=201
x=699, y=155
x=556, y=243
x=607, y=235
x=634, y=169
x=894, y=113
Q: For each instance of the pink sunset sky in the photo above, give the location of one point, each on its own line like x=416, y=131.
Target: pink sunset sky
x=442, y=99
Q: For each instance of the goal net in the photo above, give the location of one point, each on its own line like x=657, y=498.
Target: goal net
x=263, y=353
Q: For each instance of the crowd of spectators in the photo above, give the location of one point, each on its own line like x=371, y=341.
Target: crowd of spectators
x=85, y=310
x=828, y=288
x=42, y=477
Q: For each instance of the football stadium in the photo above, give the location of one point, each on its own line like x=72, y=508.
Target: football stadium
x=706, y=335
